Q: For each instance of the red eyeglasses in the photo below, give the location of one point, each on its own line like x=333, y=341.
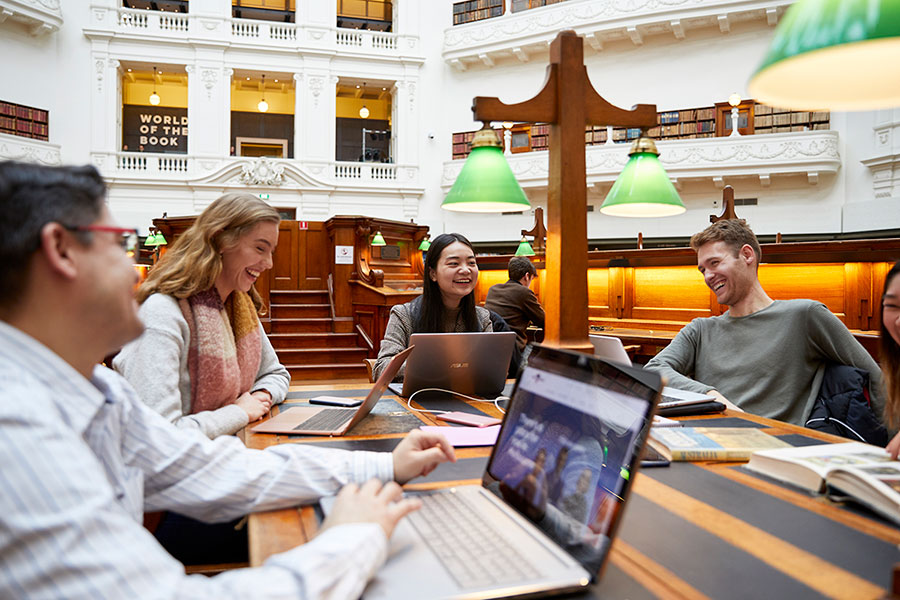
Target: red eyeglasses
x=128, y=241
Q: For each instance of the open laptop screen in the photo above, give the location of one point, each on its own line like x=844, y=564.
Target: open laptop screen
x=569, y=446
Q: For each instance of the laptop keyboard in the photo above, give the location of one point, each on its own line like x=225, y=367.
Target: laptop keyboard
x=474, y=551
x=328, y=419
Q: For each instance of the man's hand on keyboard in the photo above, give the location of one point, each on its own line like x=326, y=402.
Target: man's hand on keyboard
x=371, y=503
x=419, y=453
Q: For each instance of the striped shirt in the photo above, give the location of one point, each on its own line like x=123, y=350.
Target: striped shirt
x=82, y=460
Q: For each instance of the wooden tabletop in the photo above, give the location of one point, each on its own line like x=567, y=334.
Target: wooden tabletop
x=691, y=530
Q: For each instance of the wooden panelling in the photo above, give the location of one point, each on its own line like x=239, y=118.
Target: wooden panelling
x=670, y=293
x=485, y=280
x=284, y=274
x=822, y=282
x=314, y=257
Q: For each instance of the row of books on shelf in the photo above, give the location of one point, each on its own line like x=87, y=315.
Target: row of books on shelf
x=470, y=5
x=850, y=471
x=18, y=111
x=693, y=114
x=680, y=129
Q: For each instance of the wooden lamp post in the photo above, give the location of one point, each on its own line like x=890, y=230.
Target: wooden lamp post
x=567, y=102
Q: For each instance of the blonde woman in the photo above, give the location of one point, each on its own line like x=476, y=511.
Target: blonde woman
x=204, y=361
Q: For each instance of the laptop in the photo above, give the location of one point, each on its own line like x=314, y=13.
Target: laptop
x=551, y=498
x=468, y=363
x=611, y=348
x=315, y=420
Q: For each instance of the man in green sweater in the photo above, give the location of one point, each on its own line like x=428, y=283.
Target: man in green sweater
x=762, y=355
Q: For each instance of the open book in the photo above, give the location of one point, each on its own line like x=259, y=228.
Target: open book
x=712, y=443
x=865, y=473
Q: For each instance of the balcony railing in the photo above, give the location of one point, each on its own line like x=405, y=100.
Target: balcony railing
x=187, y=28
x=242, y=170
x=810, y=153
x=14, y=147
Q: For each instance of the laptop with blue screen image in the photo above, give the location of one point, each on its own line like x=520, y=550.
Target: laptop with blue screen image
x=552, y=495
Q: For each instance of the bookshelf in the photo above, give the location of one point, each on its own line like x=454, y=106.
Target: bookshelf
x=770, y=119
x=690, y=123
x=476, y=10
x=24, y=121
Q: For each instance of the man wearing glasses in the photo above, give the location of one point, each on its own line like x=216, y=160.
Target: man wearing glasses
x=83, y=457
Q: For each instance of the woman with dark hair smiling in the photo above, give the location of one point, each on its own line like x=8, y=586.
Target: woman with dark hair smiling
x=447, y=303
x=889, y=353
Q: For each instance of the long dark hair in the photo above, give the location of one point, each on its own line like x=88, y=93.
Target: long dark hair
x=431, y=306
x=889, y=356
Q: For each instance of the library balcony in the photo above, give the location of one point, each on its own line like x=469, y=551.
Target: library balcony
x=14, y=147
x=764, y=157
x=250, y=34
x=40, y=18
x=485, y=32
x=256, y=172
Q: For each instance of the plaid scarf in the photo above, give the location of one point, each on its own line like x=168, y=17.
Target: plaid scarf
x=225, y=349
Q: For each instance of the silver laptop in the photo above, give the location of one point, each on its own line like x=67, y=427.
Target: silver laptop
x=315, y=420
x=611, y=348
x=468, y=363
x=551, y=499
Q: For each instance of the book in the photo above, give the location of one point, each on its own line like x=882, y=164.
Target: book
x=712, y=443
x=864, y=473
x=659, y=421
x=809, y=467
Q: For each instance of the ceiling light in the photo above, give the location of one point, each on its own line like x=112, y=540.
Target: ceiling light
x=263, y=106
x=364, y=112
x=643, y=189
x=154, y=97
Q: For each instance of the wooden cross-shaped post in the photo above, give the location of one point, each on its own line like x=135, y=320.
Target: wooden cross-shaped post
x=567, y=102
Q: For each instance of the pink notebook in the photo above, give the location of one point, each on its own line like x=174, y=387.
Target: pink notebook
x=466, y=436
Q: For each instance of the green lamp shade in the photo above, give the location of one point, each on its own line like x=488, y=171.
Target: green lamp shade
x=833, y=54
x=486, y=184
x=155, y=239
x=642, y=190
x=378, y=239
x=524, y=248
x=425, y=245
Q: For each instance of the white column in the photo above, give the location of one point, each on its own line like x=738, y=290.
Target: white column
x=405, y=125
x=300, y=132
x=316, y=98
x=208, y=94
x=104, y=108
x=406, y=17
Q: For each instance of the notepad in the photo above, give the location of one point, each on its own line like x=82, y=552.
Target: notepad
x=466, y=436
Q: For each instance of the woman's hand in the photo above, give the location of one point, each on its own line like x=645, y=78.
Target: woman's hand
x=893, y=447
x=253, y=406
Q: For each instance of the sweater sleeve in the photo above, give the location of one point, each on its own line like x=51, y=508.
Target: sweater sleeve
x=831, y=340
x=395, y=340
x=676, y=361
x=156, y=365
x=272, y=375
x=533, y=309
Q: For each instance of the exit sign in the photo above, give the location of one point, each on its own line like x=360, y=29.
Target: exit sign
x=263, y=196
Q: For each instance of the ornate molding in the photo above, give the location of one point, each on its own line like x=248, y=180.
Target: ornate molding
x=40, y=16
x=512, y=35
x=262, y=171
x=316, y=84
x=13, y=147
x=99, y=66
x=210, y=77
x=812, y=153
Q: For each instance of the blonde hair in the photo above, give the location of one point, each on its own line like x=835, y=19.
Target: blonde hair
x=194, y=261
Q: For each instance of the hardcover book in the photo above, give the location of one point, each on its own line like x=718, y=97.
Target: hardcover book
x=712, y=443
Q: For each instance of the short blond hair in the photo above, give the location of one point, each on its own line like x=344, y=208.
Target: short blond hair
x=734, y=232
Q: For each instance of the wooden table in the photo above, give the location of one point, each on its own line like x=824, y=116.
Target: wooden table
x=691, y=530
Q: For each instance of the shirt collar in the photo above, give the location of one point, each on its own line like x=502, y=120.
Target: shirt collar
x=76, y=398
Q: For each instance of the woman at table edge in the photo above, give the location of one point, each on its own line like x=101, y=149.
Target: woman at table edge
x=889, y=353
x=204, y=361
x=447, y=303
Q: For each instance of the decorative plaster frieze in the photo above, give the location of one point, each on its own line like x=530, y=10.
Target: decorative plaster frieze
x=209, y=77
x=811, y=153
x=885, y=164
x=262, y=171
x=99, y=67
x=13, y=147
x=315, y=86
x=40, y=16
x=514, y=33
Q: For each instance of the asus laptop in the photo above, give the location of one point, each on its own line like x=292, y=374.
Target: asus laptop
x=468, y=363
x=551, y=499
x=314, y=420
